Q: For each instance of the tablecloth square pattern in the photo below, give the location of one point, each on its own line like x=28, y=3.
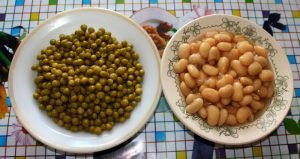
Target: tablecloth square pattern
x=53, y=2
x=186, y=1
x=293, y=148
x=220, y=153
x=218, y=1
x=160, y=136
x=297, y=92
x=86, y=2
x=278, y=1
x=153, y=1
x=15, y=31
x=120, y=1
x=172, y=12
x=265, y=13
x=2, y=16
x=249, y=1
x=296, y=14
x=257, y=151
x=34, y=16
x=291, y=59
x=2, y=140
x=181, y=155
x=20, y=2
x=236, y=12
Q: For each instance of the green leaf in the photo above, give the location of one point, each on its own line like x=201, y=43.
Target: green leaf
x=291, y=126
x=9, y=41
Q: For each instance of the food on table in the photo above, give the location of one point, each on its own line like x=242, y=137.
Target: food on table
x=3, y=105
x=225, y=78
x=159, y=35
x=88, y=81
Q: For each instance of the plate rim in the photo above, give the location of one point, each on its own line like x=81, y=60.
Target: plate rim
x=93, y=148
x=186, y=121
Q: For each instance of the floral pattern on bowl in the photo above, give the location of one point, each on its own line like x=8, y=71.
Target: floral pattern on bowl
x=241, y=134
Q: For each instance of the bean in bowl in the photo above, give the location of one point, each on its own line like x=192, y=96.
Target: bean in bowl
x=225, y=78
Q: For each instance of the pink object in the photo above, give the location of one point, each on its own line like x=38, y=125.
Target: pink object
x=22, y=137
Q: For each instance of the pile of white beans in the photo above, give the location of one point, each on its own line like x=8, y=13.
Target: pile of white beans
x=225, y=78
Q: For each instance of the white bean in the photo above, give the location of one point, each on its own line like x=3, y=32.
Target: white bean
x=248, y=89
x=202, y=87
x=222, y=38
x=232, y=73
x=246, y=81
x=201, y=79
x=214, y=54
x=194, y=106
x=213, y=115
x=266, y=75
x=247, y=58
x=254, y=68
x=190, y=98
x=202, y=113
x=223, y=64
x=194, y=47
x=244, y=46
x=238, y=38
x=196, y=59
x=261, y=60
x=247, y=99
x=204, y=49
x=223, y=116
x=193, y=70
x=260, y=51
x=211, y=41
x=224, y=46
x=225, y=101
x=237, y=91
x=226, y=91
x=257, y=105
x=226, y=79
x=184, y=51
x=210, y=95
x=181, y=65
x=184, y=89
x=243, y=114
x=238, y=67
x=189, y=81
x=210, y=70
x=211, y=82
x=231, y=120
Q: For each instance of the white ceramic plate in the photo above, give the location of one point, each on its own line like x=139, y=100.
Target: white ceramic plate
x=21, y=85
x=244, y=134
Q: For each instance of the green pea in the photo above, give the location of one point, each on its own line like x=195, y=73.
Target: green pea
x=124, y=102
x=98, y=86
x=83, y=80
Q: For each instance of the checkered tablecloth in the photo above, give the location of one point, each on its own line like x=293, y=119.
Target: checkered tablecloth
x=163, y=136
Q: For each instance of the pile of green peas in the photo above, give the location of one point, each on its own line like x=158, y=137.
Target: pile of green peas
x=88, y=81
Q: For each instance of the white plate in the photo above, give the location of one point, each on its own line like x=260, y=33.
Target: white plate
x=243, y=134
x=21, y=85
